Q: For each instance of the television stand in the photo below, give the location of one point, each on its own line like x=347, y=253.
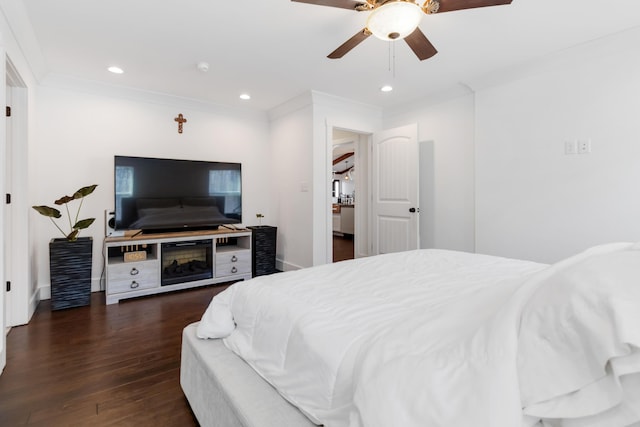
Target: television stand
x=147, y=264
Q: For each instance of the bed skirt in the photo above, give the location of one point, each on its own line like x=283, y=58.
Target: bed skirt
x=224, y=391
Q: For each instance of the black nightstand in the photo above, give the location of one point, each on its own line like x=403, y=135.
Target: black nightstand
x=263, y=249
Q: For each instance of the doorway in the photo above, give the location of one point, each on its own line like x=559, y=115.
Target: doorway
x=343, y=198
x=349, y=179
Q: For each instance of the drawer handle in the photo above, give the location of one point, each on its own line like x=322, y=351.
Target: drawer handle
x=234, y=270
x=234, y=258
x=134, y=284
x=134, y=271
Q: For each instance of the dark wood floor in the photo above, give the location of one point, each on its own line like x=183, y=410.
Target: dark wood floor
x=115, y=365
x=342, y=248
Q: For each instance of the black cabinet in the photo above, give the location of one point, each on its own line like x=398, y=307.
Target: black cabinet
x=263, y=249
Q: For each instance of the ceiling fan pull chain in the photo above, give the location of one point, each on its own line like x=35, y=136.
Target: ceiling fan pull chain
x=394, y=60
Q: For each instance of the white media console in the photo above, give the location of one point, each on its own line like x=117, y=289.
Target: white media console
x=147, y=264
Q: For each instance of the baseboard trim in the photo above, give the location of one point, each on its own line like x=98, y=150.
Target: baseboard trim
x=33, y=304
x=286, y=266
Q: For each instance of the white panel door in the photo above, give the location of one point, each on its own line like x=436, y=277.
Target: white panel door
x=395, y=190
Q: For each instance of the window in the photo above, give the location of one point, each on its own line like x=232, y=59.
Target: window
x=124, y=180
x=336, y=188
x=124, y=186
x=224, y=182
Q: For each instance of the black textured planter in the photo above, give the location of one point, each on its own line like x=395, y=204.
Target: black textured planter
x=263, y=248
x=70, y=268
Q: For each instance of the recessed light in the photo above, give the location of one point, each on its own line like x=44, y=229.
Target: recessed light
x=245, y=96
x=386, y=88
x=116, y=70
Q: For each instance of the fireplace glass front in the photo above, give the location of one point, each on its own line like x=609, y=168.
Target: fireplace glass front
x=186, y=261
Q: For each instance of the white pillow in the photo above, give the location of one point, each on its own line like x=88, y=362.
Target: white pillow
x=579, y=343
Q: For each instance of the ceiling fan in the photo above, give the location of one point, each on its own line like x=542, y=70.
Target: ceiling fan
x=398, y=19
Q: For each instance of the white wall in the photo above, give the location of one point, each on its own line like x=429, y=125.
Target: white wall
x=292, y=175
x=535, y=202
x=448, y=127
x=426, y=195
x=80, y=130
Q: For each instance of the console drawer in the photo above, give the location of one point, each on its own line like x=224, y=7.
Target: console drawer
x=233, y=262
x=132, y=276
x=117, y=286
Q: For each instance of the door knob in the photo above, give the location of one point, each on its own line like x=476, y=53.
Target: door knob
x=412, y=210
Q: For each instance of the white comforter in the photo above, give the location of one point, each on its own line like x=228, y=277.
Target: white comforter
x=441, y=338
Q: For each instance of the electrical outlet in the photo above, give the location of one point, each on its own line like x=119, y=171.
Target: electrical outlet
x=570, y=147
x=584, y=146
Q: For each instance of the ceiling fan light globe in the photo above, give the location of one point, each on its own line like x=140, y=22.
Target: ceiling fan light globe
x=394, y=20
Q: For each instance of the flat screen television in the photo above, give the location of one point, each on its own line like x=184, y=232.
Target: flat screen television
x=156, y=195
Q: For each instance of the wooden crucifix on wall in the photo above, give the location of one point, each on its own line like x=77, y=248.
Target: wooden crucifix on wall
x=180, y=119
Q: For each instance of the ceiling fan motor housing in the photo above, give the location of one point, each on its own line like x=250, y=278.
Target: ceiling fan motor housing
x=394, y=19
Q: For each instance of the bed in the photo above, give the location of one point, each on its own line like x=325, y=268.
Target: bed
x=424, y=338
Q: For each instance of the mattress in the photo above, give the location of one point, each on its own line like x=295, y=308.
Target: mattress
x=224, y=391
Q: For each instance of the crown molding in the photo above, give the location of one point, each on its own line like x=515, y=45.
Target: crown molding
x=627, y=40
x=19, y=37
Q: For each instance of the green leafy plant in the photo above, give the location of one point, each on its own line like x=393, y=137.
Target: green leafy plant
x=75, y=226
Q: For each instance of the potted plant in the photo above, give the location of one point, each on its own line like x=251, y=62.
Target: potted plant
x=70, y=257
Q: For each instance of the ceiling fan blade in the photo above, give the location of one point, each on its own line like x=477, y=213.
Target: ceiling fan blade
x=420, y=45
x=343, y=4
x=451, y=5
x=349, y=44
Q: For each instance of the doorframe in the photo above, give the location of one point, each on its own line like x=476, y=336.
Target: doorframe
x=3, y=141
x=23, y=301
x=363, y=214
x=7, y=220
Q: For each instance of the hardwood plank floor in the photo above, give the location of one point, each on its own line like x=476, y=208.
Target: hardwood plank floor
x=100, y=365
x=342, y=248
